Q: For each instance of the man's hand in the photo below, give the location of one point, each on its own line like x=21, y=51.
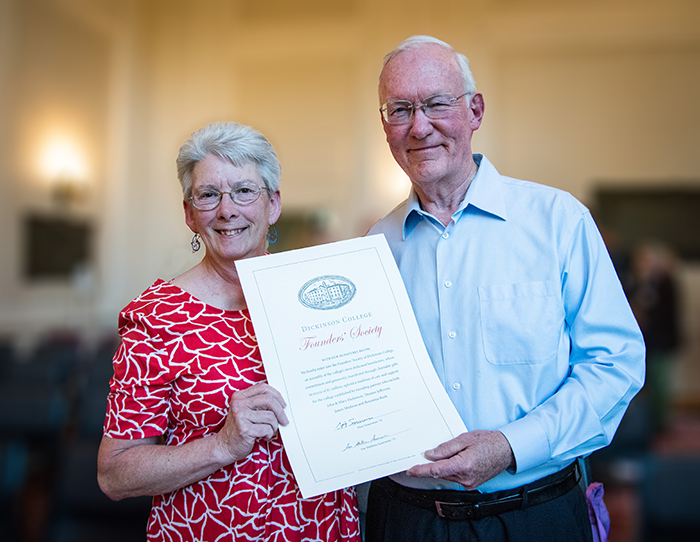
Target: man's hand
x=470, y=459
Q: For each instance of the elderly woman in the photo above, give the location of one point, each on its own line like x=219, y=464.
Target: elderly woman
x=190, y=419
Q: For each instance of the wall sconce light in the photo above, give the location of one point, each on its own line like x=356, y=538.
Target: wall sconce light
x=64, y=168
x=67, y=190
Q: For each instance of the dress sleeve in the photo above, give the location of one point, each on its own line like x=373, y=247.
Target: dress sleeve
x=606, y=361
x=138, y=403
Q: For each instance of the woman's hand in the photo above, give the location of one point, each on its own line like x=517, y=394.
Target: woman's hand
x=254, y=413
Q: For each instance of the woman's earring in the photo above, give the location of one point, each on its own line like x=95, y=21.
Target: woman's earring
x=272, y=235
x=195, y=243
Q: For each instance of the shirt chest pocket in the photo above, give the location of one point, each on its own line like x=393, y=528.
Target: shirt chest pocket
x=520, y=323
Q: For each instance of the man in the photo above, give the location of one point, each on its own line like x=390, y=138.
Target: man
x=521, y=312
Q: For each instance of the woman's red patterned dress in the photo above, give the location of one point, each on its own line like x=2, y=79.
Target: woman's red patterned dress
x=178, y=364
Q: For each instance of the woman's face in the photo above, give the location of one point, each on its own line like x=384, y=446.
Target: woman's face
x=231, y=231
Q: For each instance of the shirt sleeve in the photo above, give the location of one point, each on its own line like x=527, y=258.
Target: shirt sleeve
x=606, y=362
x=138, y=403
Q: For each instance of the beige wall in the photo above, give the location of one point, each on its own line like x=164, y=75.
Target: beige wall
x=577, y=95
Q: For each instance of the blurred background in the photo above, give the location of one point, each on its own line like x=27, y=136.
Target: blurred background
x=597, y=97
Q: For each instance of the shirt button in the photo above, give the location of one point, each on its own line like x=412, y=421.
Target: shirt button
x=448, y=283
x=456, y=386
x=452, y=334
x=445, y=235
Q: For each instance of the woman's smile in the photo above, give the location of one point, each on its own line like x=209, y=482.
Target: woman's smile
x=230, y=233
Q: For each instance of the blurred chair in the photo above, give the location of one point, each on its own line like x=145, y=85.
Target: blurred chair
x=7, y=357
x=35, y=405
x=13, y=468
x=92, y=388
x=81, y=512
x=670, y=507
x=35, y=393
x=52, y=361
x=32, y=411
x=34, y=400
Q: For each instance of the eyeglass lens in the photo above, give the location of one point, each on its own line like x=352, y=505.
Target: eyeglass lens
x=208, y=199
x=434, y=107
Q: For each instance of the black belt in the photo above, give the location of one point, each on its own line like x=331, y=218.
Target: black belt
x=462, y=505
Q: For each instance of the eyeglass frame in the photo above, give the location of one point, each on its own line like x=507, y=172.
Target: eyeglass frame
x=231, y=195
x=420, y=105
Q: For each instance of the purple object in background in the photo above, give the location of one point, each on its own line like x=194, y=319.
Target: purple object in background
x=600, y=519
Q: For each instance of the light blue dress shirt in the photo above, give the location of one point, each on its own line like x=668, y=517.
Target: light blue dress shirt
x=524, y=318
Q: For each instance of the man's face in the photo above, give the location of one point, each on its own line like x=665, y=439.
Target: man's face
x=430, y=150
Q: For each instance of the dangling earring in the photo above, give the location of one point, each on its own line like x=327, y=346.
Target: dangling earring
x=195, y=243
x=272, y=235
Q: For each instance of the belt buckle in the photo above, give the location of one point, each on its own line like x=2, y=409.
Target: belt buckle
x=468, y=510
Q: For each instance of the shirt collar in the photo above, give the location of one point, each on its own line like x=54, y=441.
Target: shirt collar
x=484, y=193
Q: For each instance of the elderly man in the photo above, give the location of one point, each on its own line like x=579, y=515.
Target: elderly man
x=521, y=311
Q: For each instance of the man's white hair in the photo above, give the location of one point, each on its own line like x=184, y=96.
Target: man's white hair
x=462, y=61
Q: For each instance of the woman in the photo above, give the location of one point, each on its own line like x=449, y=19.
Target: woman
x=190, y=419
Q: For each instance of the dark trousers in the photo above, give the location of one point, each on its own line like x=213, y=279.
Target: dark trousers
x=562, y=519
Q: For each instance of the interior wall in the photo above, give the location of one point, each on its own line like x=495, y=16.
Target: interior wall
x=187, y=60
x=574, y=118
x=54, y=89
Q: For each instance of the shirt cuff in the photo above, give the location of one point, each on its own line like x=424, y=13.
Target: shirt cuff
x=529, y=443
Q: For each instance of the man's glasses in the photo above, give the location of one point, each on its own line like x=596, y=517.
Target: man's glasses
x=207, y=199
x=434, y=107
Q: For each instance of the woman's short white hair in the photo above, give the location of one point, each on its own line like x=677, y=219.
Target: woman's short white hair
x=237, y=143
x=462, y=61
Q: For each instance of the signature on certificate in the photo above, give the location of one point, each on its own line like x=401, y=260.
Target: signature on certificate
x=375, y=440
x=361, y=423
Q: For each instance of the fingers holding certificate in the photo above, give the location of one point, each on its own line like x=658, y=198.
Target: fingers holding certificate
x=340, y=342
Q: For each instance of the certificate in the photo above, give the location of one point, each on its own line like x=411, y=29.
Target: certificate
x=339, y=340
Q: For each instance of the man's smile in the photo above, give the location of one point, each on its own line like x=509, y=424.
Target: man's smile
x=425, y=149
